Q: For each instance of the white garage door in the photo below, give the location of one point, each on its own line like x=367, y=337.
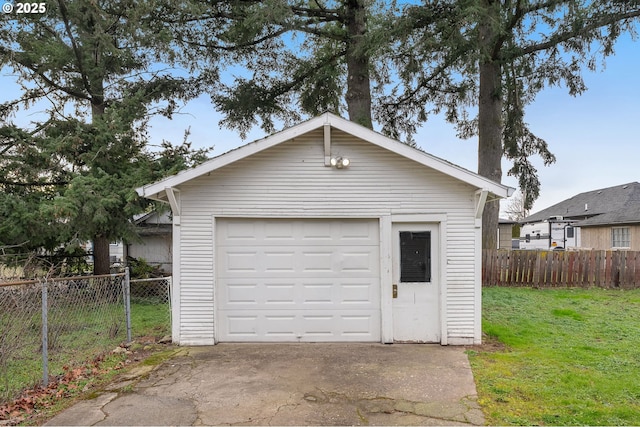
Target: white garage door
x=297, y=280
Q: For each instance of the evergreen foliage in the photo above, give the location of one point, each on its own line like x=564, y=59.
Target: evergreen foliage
x=103, y=67
x=404, y=61
x=94, y=69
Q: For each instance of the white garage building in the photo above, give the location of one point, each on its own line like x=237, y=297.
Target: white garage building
x=326, y=232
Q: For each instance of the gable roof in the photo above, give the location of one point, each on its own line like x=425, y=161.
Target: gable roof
x=157, y=190
x=622, y=216
x=154, y=217
x=612, y=205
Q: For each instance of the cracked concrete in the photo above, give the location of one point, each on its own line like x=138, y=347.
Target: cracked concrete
x=292, y=384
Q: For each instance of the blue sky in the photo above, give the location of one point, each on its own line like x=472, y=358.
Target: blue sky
x=595, y=137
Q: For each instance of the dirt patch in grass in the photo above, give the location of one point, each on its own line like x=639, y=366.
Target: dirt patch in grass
x=490, y=344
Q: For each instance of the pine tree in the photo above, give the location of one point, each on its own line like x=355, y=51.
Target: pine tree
x=296, y=58
x=96, y=66
x=497, y=55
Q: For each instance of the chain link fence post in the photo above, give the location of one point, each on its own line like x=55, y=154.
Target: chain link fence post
x=45, y=334
x=126, y=284
x=170, y=302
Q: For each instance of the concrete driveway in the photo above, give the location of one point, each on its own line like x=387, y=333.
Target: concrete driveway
x=292, y=384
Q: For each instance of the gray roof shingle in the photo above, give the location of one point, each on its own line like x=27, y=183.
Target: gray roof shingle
x=614, y=205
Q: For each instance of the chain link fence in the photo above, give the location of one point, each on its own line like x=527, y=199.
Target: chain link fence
x=151, y=306
x=20, y=337
x=48, y=324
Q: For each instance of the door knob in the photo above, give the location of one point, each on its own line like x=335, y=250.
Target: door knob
x=395, y=290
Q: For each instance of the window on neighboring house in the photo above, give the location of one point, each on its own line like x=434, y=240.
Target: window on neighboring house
x=620, y=237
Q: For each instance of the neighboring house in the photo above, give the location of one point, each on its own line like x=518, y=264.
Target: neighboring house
x=604, y=219
x=154, y=229
x=505, y=233
x=326, y=231
x=154, y=247
x=116, y=253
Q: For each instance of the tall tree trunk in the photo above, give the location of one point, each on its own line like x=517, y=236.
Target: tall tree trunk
x=358, y=95
x=101, y=259
x=101, y=262
x=490, y=127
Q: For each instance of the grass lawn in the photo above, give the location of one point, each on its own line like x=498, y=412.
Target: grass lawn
x=570, y=357
x=150, y=318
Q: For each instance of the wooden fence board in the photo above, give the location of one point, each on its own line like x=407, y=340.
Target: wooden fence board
x=597, y=271
x=537, y=270
x=608, y=269
x=608, y=262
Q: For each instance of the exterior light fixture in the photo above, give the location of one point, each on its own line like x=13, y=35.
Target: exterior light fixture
x=340, y=162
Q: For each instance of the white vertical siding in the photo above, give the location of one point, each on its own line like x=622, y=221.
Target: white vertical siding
x=291, y=180
x=197, y=278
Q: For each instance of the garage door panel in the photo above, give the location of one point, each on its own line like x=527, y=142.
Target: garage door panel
x=240, y=232
x=300, y=325
x=280, y=294
x=239, y=261
x=278, y=325
x=241, y=294
x=297, y=280
x=359, y=325
x=359, y=261
x=359, y=294
x=314, y=261
x=274, y=231
x=282, y=232
x=349, y=261
x=278, y=261
x=240, y=326
x=363, y=232
x=318, y=293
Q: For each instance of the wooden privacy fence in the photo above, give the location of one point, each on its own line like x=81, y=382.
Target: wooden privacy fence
x=582, y=268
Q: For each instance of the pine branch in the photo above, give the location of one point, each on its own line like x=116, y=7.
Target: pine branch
x=328, y=15
x=568, y=35
x=33, y=183
x=74, y=46
x=236, y=47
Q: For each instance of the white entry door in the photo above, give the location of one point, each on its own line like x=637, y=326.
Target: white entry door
x=416, y=305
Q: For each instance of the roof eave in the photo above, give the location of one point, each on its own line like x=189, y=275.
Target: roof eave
x=156, y=191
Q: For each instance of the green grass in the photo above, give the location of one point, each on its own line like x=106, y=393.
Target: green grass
x=571, y=357
x=149, y=318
